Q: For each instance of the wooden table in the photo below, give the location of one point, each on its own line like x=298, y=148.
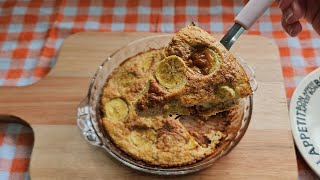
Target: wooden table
x=266, y=151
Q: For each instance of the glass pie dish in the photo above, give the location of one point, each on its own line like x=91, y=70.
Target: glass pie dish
x=89, y=118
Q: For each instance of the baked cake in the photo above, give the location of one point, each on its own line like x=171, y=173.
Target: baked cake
x=162, y=140
x=196, y=76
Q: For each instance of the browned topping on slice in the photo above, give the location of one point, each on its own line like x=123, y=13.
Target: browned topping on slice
x=213, y=77
x=201, y=60
x=153, y=98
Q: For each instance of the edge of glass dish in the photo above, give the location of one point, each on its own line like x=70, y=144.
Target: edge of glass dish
x=91, y=131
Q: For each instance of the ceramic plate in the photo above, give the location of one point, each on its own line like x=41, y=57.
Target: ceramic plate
x=305, y=119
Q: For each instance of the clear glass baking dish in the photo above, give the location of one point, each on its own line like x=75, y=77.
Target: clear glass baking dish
x=89, y=120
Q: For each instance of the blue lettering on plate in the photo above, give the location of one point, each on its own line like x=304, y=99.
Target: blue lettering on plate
x=301, y=111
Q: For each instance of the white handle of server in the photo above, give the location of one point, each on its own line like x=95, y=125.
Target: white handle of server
x=251, y=12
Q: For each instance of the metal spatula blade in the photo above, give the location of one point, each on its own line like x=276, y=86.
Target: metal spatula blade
x=245, y=19
x=232, y=35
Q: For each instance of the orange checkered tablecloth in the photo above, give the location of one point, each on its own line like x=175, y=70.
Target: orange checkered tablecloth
x=31, y=33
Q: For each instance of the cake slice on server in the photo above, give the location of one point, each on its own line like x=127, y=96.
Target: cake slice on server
x=197, y=76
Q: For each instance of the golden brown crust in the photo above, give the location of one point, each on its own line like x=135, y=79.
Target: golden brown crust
x=160, y=141
x=200, y=90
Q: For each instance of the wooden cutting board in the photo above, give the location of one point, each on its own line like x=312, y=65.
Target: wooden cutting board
x=60, y=152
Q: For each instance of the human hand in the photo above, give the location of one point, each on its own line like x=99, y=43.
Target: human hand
x=295, y=10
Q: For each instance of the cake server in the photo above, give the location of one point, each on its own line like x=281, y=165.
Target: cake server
x=245, y=19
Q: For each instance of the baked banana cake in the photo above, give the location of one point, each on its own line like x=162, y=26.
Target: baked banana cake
x=161, y=140
x=196, y=76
